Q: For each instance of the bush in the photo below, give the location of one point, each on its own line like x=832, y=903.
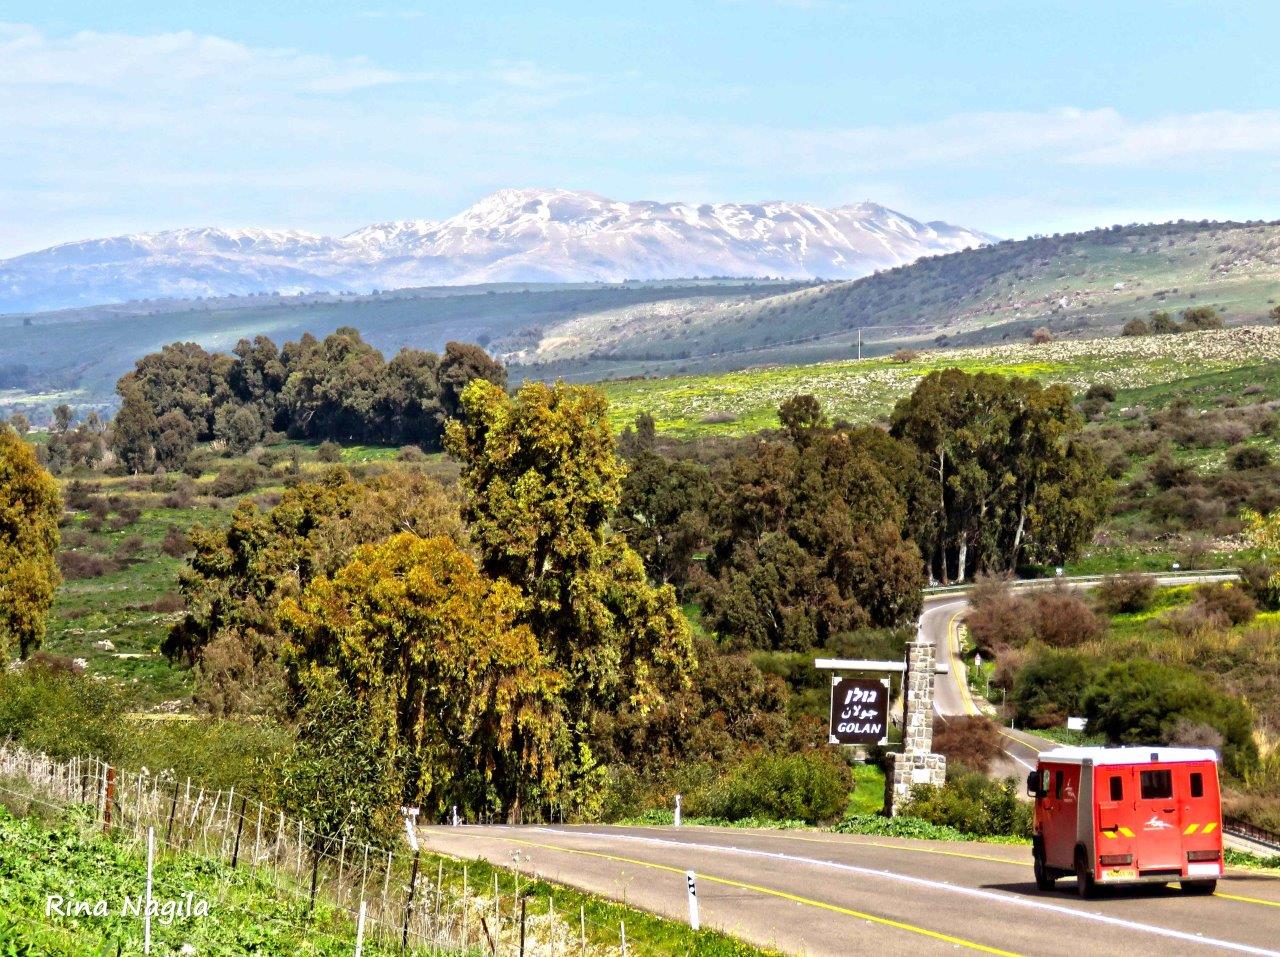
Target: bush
x=1042, y=335
x=1141, y=701
x=1100, y=390
x=1226, y=601
x=1127, y=593
x=997, y=618
x=970, y=743
x=810, y=786
x=46, y=706
x=1261, y=580
x=411, y=453
x=78, y=566
x=176, y=543
x=1246, y=457
x=329, y=452
x=1136, y=327
x=973, y=804
x=1061, y=618
x=905, y=355
x=236, y=479
x=1050, y=687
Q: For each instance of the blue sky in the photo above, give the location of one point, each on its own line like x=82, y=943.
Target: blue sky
x=1009, y=117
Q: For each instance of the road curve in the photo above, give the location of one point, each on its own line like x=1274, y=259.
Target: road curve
x=820, y=893
x=937, y=624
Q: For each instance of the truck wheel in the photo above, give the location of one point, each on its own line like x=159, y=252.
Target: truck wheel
x=1046, y=880
x=1198, y=888
x=1085, y=885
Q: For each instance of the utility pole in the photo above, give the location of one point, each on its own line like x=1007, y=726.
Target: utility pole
x=859, y=343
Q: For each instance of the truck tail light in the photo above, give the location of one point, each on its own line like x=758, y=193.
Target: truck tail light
x=1203, y=855
x=1111, y=860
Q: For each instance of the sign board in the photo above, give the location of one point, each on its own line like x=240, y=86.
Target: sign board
x=859, y=711
x=1076, y=724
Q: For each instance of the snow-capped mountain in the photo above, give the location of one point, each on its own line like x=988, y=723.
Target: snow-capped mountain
x=514, y=235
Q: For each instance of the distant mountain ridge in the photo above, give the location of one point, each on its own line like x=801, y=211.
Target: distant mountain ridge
x=514, y=235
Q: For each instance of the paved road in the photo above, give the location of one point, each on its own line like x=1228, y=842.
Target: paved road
x=817, y=893
x=951, y=692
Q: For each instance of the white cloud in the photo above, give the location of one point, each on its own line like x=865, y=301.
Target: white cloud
x=174, y=128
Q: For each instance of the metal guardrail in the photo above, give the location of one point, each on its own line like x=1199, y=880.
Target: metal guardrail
x=1207, y=573
x=1258, y=835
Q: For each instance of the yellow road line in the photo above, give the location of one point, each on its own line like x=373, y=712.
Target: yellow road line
x=953, y=652
x=772, y=892
x=1028, y=744
x=1247, y=900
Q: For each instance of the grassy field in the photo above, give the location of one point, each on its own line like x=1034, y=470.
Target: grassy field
x=1151, y=369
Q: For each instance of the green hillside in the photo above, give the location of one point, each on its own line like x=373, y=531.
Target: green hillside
x=76, y=355
x=1076, y=284
x=1155, y=369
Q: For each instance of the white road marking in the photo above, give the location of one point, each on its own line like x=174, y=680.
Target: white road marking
x=1167, y=932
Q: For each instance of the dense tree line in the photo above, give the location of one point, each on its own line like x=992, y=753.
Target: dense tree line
x=823, y=528
x=338, y=388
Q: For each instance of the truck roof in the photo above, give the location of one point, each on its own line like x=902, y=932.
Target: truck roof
x=1130, y=755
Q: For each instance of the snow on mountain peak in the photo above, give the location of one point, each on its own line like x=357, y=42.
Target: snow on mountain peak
x=519, y=235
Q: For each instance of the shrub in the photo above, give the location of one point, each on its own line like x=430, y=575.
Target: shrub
x=905, y=355
x=1136, y=327
x=77, y=566
x=997, y=617
x=968, y=742
x=1050, y=687
x=810, y=786
x=1061, y=618
x=1140, y=701
x=1245, y=457
x=1261, y=580
x=176, y=543
x=195, y=465
x=411, y=453
x=1100, y=390
x=130, y=546
x=1232, y=604
x=46, y=706
x=1126, y=593
x=973, y=804
x=1042, y=335
x=236, y=479
x=329, y=452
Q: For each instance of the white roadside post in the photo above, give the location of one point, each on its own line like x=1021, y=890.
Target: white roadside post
x=455, y=820
x=146, y=913
x=677, y=817
x=691, y=881
x=360, y=931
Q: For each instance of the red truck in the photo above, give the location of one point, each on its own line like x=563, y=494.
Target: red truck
x=1127, y=816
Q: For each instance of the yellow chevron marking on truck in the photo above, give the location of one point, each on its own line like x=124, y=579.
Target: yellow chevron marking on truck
x=1126, y=832
x=1210, y=827
x=1192, y=828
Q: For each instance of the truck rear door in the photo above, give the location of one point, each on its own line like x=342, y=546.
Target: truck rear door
x=1200, y=810
x=1156, y=821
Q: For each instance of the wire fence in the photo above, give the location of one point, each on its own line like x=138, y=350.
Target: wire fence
x=397, y=898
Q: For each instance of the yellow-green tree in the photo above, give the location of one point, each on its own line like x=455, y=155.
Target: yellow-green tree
x=458, y=703
x=541, y=480
x=1264, y=534
x=29, y=510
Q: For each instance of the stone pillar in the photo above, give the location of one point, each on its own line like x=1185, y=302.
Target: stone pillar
x=916, y=764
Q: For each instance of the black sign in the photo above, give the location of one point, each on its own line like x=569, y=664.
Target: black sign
x=859, y=711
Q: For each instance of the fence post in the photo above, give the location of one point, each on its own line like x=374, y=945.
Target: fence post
x=582, y=925
x=315, y=873
x=622, y=928
x=151, y=860
x=235, y=851
x=360, y=931
x=408, y=910
x=523, y=901
x=173, y=809
x=466, y=911
x=108, y=795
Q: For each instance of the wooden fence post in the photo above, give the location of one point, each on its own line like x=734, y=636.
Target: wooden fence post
x=235, y=852
x=408, y=910
x=108, y=795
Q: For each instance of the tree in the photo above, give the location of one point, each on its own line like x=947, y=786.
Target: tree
x=460, y=364
x=663, y=513
x=29, y=511
x=1141, y=701
x=134, y=429
x=807, y=537
x=461, y=702
x=237, y=575
x=1011, y=480
x=541, y=482
x=175, y=440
